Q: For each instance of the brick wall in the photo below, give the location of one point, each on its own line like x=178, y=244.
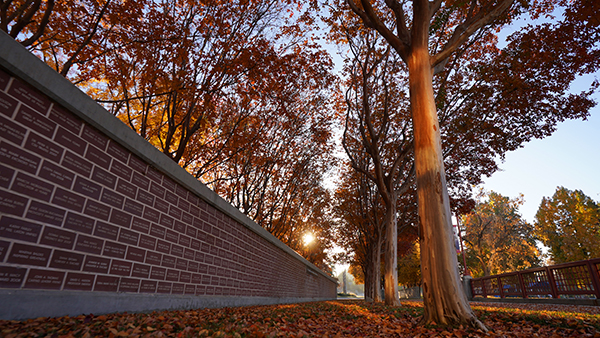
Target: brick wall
x=81, y=212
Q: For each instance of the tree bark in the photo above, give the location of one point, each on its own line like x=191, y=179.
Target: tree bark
x=373, y=275
x=444, y=299
x=391, y=256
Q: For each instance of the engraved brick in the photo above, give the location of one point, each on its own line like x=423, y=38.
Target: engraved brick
x=25, y=94
x=151, y=214
x=44, y=279
x=208, y=259
x=3, y=250
x=65, y=119
x=154, y=175
x=187, y=218
x=133, y=207
x=140, y=270
x=194, y=210
x=137, y=164
x=69, y=140
x=79, y=281
x=33, y=187
x=35, y=121
x=140, y=180
x=193, y=199
x=177, y=250
x=58, y=238
x=168, y=183
x=148, y=286
x=126, y=188
x=185, y=277
x=140, y=225
x=28, y=255
x=117, y=151
x=77, y=164
x=172, y=236
x=164, y=287
x=79, y=223
x=11, y=131
x=177, y=289
x=153, y=258
x=171, y=198
x=7, y=103
x=167, y=221
x=145, y=197
x=121, y=218
x=56, y=174
x=181, y=191
x=18, y=158
x=94, y=137
x=106, y=230
x=11, y=277
x=112, y=249
x=112, y=198
x=96, y=264
x=19, y=229
x=106, y=283
x=168, y=261
x=89, y=244
x=45, y=213
x=121, y=170
x=196, y=278
x=179, y=226
x=128, y=237
x=66, y=199
x=189, y=254
x=181, y=264
x=120, y=268
x=161, y=205
x=193, y=266
x=66, y=260
x=98, y=210
x=185, y=240
x=97, y=156
x=184, y=205
x=196, y=245
x=163, y=246
x=147, y=242
x=157, y=190
x=129, y=285
x=158, y=273
x=104, y=177
x=87, y=188
x=172, y=275
x=200, y=290
x=157, y=231
x=6, y=175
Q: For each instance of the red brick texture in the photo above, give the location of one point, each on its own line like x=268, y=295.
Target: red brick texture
x=80, y=212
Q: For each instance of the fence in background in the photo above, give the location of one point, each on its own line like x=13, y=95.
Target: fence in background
x=569, y=280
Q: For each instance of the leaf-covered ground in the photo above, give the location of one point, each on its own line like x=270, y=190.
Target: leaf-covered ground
x=321, y=319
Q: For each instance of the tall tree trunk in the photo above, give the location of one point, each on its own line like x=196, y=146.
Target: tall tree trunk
x=444, y=298
x=372, y=273
x=391, y=256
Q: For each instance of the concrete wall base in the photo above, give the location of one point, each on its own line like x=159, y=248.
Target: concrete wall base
x=26, y=304
x=587, y=302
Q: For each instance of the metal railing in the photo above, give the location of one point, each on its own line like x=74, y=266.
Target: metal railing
x=569, y=280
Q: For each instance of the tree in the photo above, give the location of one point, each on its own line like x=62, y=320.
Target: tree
x=497, y=239
x=569, y=224
x=25, y=19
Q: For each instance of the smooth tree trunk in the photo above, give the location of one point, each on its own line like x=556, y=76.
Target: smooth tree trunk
x=391, y=257
x=444, y=298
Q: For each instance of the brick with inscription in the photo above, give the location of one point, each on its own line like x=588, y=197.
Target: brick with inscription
x=177, y=289
x=121, y=218
x=135, y=254
x=129, y=285
x=57, y=237
x=157, y=190
x=77, y=163
x=56, y=174
x=148, y=286
x=151, y=214
x=93, y=136
x=169, y=184
x=157, y=231
x=158, y=273
x=11, y=277
x=98, y=210
x=133, y=207
x=190, y=289
x=172, y=275
x=35, y=121
x=193, y=266
x=3, y=249
x=44, y=147
x=6, y=176
x=70, y=140
x=184, y=205
x=120, y=268
x=106, y=230
x=44, y=279
x=96, y=264
x=172, y=236
x=112, y=249
x=97, y=156
x=141, y=181
x=194, y=210
x=18, y=158
x=126, y=188
x=193, y=199
x=67, y=199
x=181, y=191
x=87, y=188
x=188, y=254
x=33, y=187
x=19, y=229
x=89, y=244
x=65, y=119
x=168, y=261
x=7, y=103
x=171, y=198
x=79, y=281
x=45, y=213
x=163, y=246
x=179, y=226
x=106, y=283
x=177, y=250
x=163, y=287
x=137, y=164
x=187, y=218
x=161, y=205
x=154, y=175
x=185, y=277
x=147, y=242
x=140, y=225
x=140, y=270
x=128, y=237
x=79, y=223
x=118, y=152
x=11, y=131
x=181, y=264
x=66, y=260
x=153, y=258
x=166, y=221
x=31, y=97
x=121, y=170
x=145, y=197
x=104, y=177
x=185, y=240
x=112, y=198
x=200, y=290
